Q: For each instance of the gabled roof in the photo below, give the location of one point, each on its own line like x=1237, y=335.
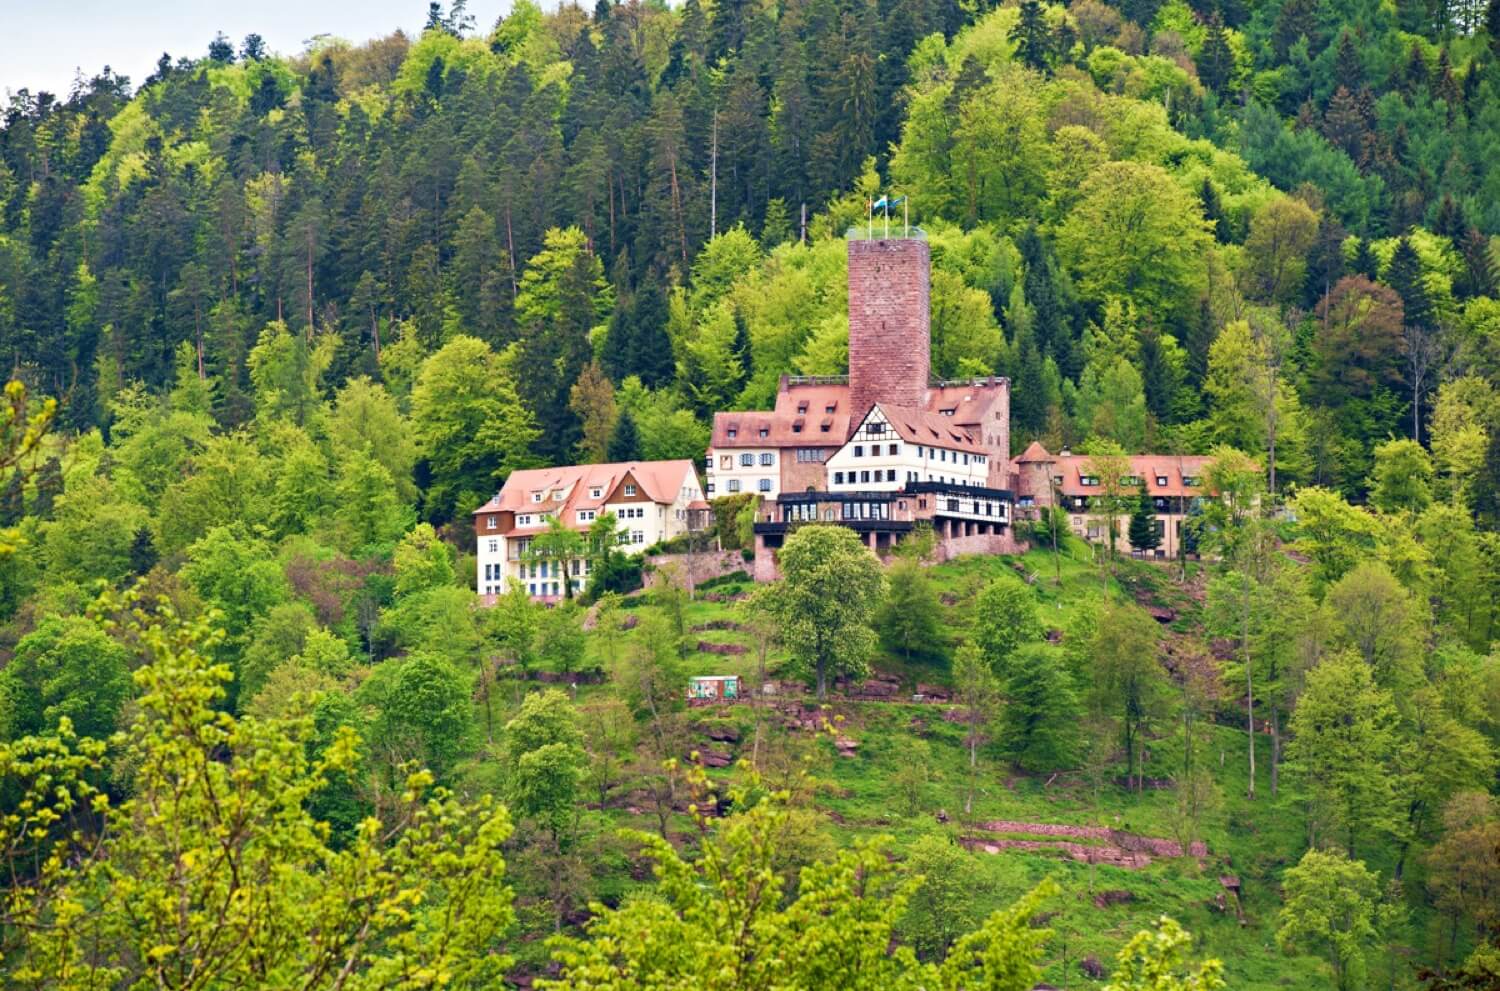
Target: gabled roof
x=917, y=426
x=660, y=481
x=802, y=417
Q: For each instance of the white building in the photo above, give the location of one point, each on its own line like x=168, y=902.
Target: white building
x=894, y=447
x=652, y=501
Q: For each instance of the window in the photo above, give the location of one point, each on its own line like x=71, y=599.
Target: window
x=764, y=432
x=859, y=450
x=598, y=493
x=1091, y=481
x=630, y=490
x=709, y=488
x=1131, y=480
x=875, y=428
x=490, y=523
x=708, y=464
x=637, y=537
x=494, y=546
x=838, y=478
x=732, y=433
x=864, y=476
x=830, y=407
x=802, y=408
x=734, y=485
x=765, y=485
x=587, y=515
x=537, y=496
x=1161, y=480
x=531, y=589
x=890, y=474
x=1191, y=481
x=797, y=427
x=746, y=460
x=767, y=458
x=893, y=449
x=966, y=459
x=813, y=455
x=943, y=454
x=524, y=520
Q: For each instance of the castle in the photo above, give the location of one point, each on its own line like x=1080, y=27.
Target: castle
x=881, y=451
x=887, y=447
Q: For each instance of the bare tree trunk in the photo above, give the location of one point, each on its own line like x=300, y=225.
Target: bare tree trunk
x=713, y=182
x=1249, y=681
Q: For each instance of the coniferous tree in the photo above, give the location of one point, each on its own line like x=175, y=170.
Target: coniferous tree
x=625, y=443
x=1143, y=533
x=1404, y=274
x=1032, y=37
x=652, y=359
x=1215, y=61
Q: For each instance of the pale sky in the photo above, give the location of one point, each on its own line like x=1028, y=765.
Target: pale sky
x=43, y=44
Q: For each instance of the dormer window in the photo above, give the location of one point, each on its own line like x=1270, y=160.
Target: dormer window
x=732, y=433
x=1131, y=480
x=1088, y=480
x=596, y=492
x=764, y=432
x=1191, y=481
x=802, y=409
x=830, y=407
x=1161, y=480
x=537, y=496
x=630, y=490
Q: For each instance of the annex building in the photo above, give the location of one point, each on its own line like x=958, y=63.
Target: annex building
x=651, y=501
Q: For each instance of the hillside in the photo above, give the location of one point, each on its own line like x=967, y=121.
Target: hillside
x=275, y=325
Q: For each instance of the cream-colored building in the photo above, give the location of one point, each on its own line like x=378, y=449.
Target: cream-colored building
x=651, y=501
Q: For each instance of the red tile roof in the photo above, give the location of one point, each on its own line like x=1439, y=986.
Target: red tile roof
x=1034, y=452
x=930, y=429
x=569, y=488
x=802, y=417
x=1147, y=467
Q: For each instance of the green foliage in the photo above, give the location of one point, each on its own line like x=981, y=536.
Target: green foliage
x=909, y=621
x=1333, y=907
x=543, y=750
x=1039, y=725
x=824, y=603
x=1343, y=741
x=423, y=712
x=424, y=895
x=65, y=669
x=1005, y=618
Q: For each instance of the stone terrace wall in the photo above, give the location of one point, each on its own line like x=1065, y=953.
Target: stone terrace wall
x=695, y=568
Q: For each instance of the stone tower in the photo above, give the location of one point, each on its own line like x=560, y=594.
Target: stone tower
x=890, y=344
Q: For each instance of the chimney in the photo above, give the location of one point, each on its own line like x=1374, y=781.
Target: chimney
x=889, y=324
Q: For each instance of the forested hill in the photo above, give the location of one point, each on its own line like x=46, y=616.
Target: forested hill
x=1135, y=211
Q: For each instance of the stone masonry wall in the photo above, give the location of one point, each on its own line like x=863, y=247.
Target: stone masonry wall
x=890, y=347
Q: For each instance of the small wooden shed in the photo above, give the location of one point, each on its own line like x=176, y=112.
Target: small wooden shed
x=714, y=688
